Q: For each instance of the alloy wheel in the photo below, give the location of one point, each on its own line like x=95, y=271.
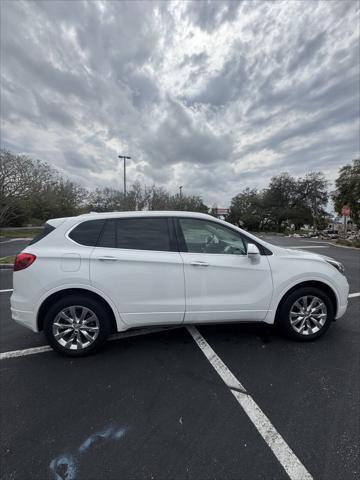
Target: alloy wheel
x=76, y=327
x=308, y=315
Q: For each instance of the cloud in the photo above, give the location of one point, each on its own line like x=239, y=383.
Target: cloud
x=190, y=139
x=211, y=95
x=209, y=15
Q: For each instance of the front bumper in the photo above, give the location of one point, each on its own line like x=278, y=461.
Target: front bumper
x=341, y=311
x=343, y=296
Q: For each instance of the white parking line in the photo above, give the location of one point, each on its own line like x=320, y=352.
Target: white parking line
x=116, y=336
x=24, y=353
x=309, y=246
x=7, y=290
x=288, y=460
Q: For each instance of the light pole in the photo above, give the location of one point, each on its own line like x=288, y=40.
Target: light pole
x=124, y=157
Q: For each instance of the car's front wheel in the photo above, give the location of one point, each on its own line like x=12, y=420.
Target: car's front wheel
x=305, y=314
x=76, y=325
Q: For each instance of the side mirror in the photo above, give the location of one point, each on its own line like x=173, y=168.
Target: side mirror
x=253, y=251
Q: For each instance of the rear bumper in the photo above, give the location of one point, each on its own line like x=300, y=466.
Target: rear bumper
x=22, y=315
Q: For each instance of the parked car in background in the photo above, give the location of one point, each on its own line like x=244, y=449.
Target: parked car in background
x=83, y=278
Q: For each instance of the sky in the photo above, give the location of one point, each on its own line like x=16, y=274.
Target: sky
x=215, y=96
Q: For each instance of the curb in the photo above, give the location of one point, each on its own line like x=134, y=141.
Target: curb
x=334, y=244
x=8, y=240
x=344, y=246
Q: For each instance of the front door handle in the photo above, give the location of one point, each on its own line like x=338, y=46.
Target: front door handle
x=200, y=264
x=107, y=259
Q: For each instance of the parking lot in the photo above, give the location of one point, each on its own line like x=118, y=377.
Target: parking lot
x=155, y=405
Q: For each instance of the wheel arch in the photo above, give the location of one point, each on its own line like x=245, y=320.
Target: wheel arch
x=311, y=283
x=54, y=297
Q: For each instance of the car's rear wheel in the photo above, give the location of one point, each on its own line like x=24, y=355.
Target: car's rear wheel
x=76, y=325
x=305, y=314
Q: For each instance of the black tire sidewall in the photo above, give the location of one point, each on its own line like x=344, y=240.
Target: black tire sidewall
x=88, y=302
x=283, y=319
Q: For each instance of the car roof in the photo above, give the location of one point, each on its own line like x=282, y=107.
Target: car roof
x=144, y=213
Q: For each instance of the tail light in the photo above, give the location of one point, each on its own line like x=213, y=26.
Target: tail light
x=23, y=260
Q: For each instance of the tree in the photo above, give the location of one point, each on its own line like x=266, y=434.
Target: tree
x=32, y=190
x=190, y=203
x=313, y=195
x=20, y=179
x=246, y=209
x=348, y=190
x=281, y=200
x=286, y=201
x=106, y=200
x=142, y=198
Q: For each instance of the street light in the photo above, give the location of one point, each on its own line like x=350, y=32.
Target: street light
x=124, y=157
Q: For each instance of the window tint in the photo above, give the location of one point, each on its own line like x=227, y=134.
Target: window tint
x=209, y=237
x=87, y=233
x=47, y=228
x=108, y=235
x=136, y=234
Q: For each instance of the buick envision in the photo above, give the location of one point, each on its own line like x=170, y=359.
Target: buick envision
x=83, y=278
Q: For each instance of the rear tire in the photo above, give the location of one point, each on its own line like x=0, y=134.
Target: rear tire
x=77, y=325
x=305, y=314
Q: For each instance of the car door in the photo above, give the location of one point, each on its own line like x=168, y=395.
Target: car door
x=221, y=282
x=136, y=265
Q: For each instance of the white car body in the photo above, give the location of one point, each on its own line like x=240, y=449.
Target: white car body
x=148, y=287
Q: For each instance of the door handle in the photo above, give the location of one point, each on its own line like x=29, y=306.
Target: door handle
x=200, y=264
x=107, y=259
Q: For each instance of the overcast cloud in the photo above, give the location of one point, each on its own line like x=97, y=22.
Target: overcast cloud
x=211, y=95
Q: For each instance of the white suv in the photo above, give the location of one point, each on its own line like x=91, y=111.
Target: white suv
x=83, y=278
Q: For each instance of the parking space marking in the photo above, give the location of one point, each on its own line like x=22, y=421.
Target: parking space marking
x=116, y=336
x=7, y=290
x=23, y=353
x=288, y=460
x=309, y=246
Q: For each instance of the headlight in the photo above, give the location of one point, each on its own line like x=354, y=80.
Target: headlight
x=339, y=266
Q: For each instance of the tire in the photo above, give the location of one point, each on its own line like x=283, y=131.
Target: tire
x=82, y=336
x=295, y=320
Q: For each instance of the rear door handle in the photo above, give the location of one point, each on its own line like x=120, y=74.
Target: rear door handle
x=107, y=259
x=200, y=264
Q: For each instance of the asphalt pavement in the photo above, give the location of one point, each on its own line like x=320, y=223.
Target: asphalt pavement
x=11, y=247
x=153, y=407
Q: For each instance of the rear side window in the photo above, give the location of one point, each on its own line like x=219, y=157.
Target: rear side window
x=47, y=228
x=87, y=233
x=136, y=234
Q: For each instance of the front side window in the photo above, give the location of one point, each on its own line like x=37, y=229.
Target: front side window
x=208, y=237
x=136, y=234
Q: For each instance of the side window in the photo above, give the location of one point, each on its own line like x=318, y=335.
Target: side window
x=108, y=235
x=136, y=234
x=208, y=237
x=87, y=233
x=47, y=228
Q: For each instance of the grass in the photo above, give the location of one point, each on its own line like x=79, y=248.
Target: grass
x=348, y=243
x=19, y=233
x=6, y=260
